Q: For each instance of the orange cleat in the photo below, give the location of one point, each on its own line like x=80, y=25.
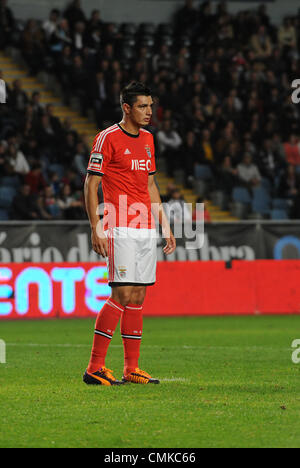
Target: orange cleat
x=102, y=377
x=140, y=377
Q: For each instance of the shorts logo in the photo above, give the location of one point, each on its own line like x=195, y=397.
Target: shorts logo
x=122, y=271
x=148, y=151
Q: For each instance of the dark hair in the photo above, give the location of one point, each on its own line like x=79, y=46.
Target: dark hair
x=130, y=93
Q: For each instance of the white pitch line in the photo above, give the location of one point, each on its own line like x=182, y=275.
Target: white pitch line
x=175, y=379
x=162, y=347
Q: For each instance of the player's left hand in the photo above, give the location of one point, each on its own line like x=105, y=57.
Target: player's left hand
x=171, y=244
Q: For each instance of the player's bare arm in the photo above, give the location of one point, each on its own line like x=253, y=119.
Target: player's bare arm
x=160, y=214
x=99, y=240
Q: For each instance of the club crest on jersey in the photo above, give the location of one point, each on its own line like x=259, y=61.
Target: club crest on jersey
x=122, y=271
x=148, y=151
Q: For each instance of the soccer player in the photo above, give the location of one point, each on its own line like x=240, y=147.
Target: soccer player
x=122, y=159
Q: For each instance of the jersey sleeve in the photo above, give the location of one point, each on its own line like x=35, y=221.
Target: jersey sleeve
x=100, y=155
x=153, y=164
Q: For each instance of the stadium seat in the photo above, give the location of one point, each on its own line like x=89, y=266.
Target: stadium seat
x=261, y=206
x=147, y=41
x=6, y=196
x=165, y=29
x=279, y=214
x=266, y=184
x=8, y=181
x=179, y=176
x=166, y=40
x=241, y=195
x=3, y=215
x=220, y=199
x=261, y=202
x=280, y=204
x=128, y=29
x=200, y=187
x=127, y=52
x=297, y=169
x=239, y=210
x=203, y=172
x=147, y=29
x=58, y=168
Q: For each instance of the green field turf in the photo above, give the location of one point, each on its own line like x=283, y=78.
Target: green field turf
x=226, y=382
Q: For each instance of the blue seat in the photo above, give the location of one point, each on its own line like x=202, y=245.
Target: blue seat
x=279, y=214
x=3, y=215
x=280, y=204
x=241, y=195
x=261, y=201
x=7, y=195
x=260, y=193
x=54, y=210
x=297, y=169
x=203, y=172
x=8, y=181
x=58, y=168
x=266, y=184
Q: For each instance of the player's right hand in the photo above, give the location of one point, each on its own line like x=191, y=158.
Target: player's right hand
x=100, y=244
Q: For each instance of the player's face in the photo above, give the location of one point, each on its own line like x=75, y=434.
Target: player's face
x=141, y=110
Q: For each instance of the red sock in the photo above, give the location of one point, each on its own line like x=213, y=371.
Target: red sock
x=131, y=331
x=106, y=323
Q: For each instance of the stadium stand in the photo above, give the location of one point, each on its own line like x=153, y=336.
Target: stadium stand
x=225, y=126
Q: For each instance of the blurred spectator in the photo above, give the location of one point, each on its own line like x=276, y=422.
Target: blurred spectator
x=35, y=102
x=60, y=37
x=177, y=209
x=169, y=142
x=74, y=13
x=7, y=24
x=71, y=206
x=261, y=44
x=48, y=204
x=78, y=36
x=24, y=205
x=17, y=160
x=269, y=161
x=186, y=18
x=287, y=37
x=292, y=150
x=80, y=160
x=227, y=176
x=50, y=25
x=33, y=46
x=18, y=97
x=289, y=185
x=169, y=190
x=95, y=22
x=35, y=179
x=248, y=172
x=203, y=214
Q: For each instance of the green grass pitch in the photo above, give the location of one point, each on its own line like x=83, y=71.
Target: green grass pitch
x=226, y=382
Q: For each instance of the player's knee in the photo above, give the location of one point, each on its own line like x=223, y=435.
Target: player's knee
x=124, y=299
x=138, y=297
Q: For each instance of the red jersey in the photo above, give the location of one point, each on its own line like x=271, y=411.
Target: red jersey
x=124, y=161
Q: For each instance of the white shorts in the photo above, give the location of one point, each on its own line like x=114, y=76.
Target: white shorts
x=131, y=256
